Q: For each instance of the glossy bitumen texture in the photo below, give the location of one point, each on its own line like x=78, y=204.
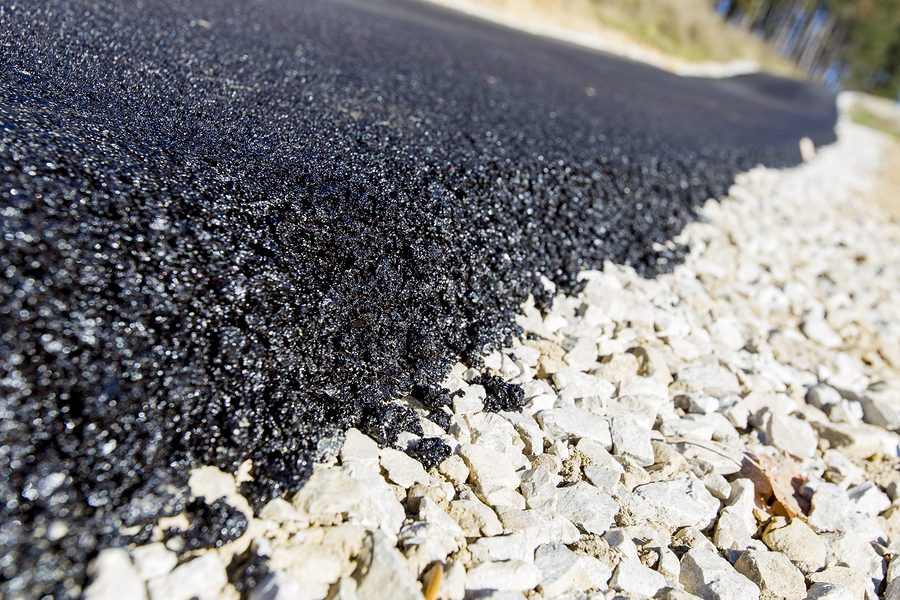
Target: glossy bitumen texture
x=231, y=229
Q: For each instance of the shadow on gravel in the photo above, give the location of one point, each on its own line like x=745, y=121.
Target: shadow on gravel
x=232, y=230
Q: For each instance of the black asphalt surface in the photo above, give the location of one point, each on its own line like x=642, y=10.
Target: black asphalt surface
x=230, y=228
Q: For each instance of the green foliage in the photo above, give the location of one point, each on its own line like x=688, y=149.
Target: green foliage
x=873, y=48
x=863, y=36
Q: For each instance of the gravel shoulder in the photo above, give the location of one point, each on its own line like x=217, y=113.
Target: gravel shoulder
x=728, y=430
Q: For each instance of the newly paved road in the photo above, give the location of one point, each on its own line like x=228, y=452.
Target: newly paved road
x=231, y=227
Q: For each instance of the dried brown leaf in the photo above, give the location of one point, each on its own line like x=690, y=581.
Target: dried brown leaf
x=777, y=481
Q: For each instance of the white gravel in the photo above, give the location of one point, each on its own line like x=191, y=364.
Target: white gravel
x=627, y=472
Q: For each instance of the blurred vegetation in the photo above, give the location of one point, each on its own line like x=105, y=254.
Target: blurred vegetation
x=851, y=43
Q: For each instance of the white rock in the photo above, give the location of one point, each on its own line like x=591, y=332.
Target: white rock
x=402, y=469
x=539, y=487
x=833, y=511
x=334, y=494
x=514, y=546
x=501, y=497
x=474, y=517
x=471, y=400
x=598, y=454
x=846, y=411
x=211, y=483
x=453, y=586
x=882, y=410
x=574, y=385
x=841, y=470
x=509, y=575
x=316, y=557
x=494, y=360
x=430, y=512
x=708, y=575
x=818, y=330
x=281, y=511
x=844, y=577
x=641, y=398
x=737, y=524
x=823, y=397
x=559, y=568
x=531, y=435
x=791, y=435
x=669, y=566
x=583, y=354
x=715, y=483
x=797, y=541
x=605, y=477
x=868, y=499
x=587, y=507
x=758, y=401
x=892, y=592
x=382, y=572
x=345, y=589
x=693, y=538
x=859, y=441
x=618, y=367
x=153, y=560
x=201, y=577
x=692, y=427
x=727, y=333
x=857, y=553
x=629, y=438
x=651, y=387
x=454, y=468
x=114, y=578
x=527, y=355
x=279, y=586
x=635, y=579
x=359, y=446
x=424, y=543
x=713, y=380
x=774, y=574
x=575, y=423
x=489, y=468
x=593, y=573
x=652, y=364
x=829, y=591
x=620, y=540
x=700, y=403
x=682, y=502
x=736, y=413
x=497, y=432
x=541, y=526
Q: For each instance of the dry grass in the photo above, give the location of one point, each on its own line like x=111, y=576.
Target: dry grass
x=687, y=29
x=870, y=119
x=884, y=117
x=887, y=193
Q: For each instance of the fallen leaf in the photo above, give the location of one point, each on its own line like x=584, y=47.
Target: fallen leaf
x=777, y=481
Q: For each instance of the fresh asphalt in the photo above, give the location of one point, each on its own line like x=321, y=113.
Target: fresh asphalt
x=232, y=229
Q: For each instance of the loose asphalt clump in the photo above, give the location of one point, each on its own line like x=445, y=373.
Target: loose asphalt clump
x=232, y=230
x=212, y=525
x=500, y=395
x=429, y=451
